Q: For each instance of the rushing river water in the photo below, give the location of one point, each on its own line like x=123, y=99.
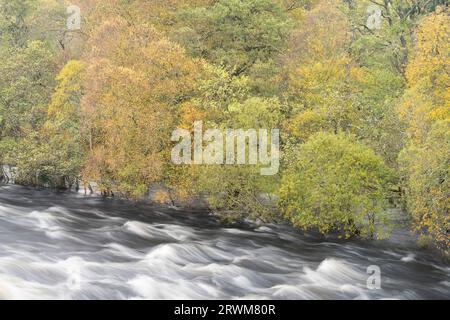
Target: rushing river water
x=68, y=246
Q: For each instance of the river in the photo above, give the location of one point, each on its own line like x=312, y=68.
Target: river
x=71, y=246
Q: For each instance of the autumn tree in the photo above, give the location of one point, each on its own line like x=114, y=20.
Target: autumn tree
x=327, y=89
x=334, y=183
x=65, y=143
x=138, y=81
x=425, y=108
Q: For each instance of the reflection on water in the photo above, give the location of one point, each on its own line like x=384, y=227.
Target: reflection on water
x=67, y=246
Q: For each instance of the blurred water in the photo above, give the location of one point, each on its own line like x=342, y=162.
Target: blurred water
x=68, y=246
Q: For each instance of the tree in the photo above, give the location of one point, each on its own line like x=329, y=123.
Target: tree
x=241, y=190
x=236, y=191
x=25, y=89
x=28, y=51
x=14, y=21
x=26, y=85
x=322, y=82
x=327, y=89
x=333, y=183
x=139, y=80
x=389, y=44
x=427, y=97
x=426, y=172
x=425, y=108
x=66, y=145
x=234, y=34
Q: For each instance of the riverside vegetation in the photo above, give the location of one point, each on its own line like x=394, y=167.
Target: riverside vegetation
x=363, y=112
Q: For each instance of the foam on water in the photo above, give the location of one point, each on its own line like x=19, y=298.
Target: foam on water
x=71, y=247
x=409, y=258
x=160, y=231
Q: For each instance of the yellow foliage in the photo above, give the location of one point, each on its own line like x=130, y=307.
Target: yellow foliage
x=162, y=197
x=428, y=74
x=426, y=109
x=138, y=84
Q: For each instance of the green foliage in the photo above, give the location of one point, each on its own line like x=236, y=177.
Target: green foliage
x=235, y=33
x=426, y=169
x=25, y=87
x=28, y=67
x=25, y=20
x=57, y=148
x=335, y=183
x=14, y=16
x=237, y=191
x=389, y=46
x=256, y=113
